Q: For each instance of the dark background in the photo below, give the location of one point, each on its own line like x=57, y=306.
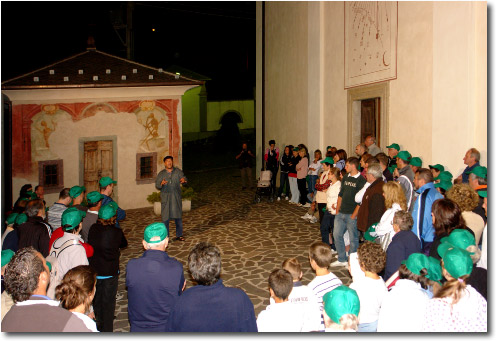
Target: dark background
x=215, y=39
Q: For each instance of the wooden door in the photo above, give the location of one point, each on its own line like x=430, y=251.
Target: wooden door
x=97, y=163
x=369, y=118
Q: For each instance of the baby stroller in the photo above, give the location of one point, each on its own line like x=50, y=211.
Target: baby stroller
x=264, y=189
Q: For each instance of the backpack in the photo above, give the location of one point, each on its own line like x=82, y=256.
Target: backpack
x=55, y=273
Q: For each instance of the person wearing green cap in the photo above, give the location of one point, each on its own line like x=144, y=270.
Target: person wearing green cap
x=477, y=180
x=55, y=211
x=457, y=306
x=106, y=239
x=94, y=200
x=23, y=195
x=154, y=282
x=404, y=305
x=68, y=249
x=415, y=163
x=436, y=170
x=9, y=225
x=77, y=194
x=483, y=260
x=393, y=150
x=443, y=186
x=341, y=309
x=10, y=239
x=404, y=175
x=471, y=159
x=35, y=232
x=169, y=182
x=107, y=189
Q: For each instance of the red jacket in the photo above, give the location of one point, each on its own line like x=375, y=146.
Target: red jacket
x=59, y=233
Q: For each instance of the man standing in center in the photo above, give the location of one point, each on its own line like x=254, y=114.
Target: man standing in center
x=347, y=211
x=169, y=182
x=154, y=283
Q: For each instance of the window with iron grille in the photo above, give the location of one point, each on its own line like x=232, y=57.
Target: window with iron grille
x=146, y=168
x=51, y=175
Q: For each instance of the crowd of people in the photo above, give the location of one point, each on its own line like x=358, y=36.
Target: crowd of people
x=413, y=240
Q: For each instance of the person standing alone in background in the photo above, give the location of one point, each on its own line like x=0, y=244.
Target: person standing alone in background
x=245, y=164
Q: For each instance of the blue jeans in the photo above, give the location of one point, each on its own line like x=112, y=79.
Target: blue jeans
x=327, y=226
x=311, y=181
x=284, y=182
x=342, y=223
x=370, y=327
x=179, y=227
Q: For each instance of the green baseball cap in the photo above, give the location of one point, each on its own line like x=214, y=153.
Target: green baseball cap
x=460, y=238
x=76, y=191
x=105, y=181
x=435, y=272
x=457, y=262
x=12, y=218
x=107, y=211
x=404, y=155
x=482, y=194
x=367, y=235
x=416, y=262
x=438, y=167
x=341, y=301
x=444, y=176
x=328, y=160
x=444, y=185
x=21, y=218
x=7, y=255
x=295, y=149
x=32, y=195
x=94, y=197
x=328, y=147
x=394, y=145
x=416, y=161
x=155, y=233
x=72, y=216
x=480, y=171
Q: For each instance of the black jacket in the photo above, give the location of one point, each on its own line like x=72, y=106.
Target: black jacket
x=106, y=242
x=34, y=232
x=285, y=159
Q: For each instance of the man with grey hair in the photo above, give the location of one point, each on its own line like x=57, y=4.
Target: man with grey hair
x=471, y=159
x=404, y=175
x=154, y=282
x=372, y=207
x=35, y=232
x=370, y=144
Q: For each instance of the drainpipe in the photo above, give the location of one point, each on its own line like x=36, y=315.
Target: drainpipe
x=263, y=83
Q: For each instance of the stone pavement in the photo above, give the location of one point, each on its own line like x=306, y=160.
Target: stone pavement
x=253, y=238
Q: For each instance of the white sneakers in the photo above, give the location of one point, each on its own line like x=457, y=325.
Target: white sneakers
x=337, y=263
x=313, y=219
x=306, y=216
x=278, y=198
x=287, y=198
x=307, y=205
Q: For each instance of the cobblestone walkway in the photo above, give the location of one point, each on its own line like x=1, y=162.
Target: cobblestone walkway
x=254, y=239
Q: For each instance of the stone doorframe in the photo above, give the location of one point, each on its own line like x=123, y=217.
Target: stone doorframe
x=355, y=95
x=112, y=138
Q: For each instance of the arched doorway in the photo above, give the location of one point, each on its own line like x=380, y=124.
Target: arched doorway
x=228, y=135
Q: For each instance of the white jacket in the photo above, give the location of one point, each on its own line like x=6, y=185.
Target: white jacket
x=385, y=225
x=332, y=196
x=73, y=255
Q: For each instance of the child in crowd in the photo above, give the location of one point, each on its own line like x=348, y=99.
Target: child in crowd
x=404, y=241
x=332, y=192
x=320, y=256
x=403, y=307
x=370, y=288
x=313, y=174
x=457, y=307
x=302, y=295
x=282, y=315
x=293, y=184
x=341, y=309
x=285, y=168
x=301, y=175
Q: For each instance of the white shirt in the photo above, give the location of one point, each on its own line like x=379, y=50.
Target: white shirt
x=403, y=308
x=282, y=317
x=385, y=225
x=321, y=285
x=483, y=259
x=360, y=193
x=371, y=293
x=332, y=196
x=315, y=165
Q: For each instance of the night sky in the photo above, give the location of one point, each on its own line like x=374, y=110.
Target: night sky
x=215, y=39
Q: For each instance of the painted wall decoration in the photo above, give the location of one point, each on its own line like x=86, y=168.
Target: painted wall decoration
x=153, y=119
x=371, y=33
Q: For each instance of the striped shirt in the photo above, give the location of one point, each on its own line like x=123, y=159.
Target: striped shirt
x=55, y=215
x=321, y=285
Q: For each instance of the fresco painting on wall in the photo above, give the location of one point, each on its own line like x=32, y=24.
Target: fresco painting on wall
x=371, y=31
x=43, y=125
x=154, y=122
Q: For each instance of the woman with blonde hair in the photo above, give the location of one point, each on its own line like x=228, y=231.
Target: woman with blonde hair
x=76, y=292
x=468, y=199
x=394, y=201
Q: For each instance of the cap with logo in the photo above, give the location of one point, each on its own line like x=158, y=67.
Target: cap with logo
x=94, y=197
x=416, y=262
x=394, y=146
x=444, y=176
x=76, y=191
x=107, y=211
x=457, y=262
x=105, y=181
x=404, y=155
x=437, y=167
x=72, y=216
x=416, y=162
x=155, y=233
